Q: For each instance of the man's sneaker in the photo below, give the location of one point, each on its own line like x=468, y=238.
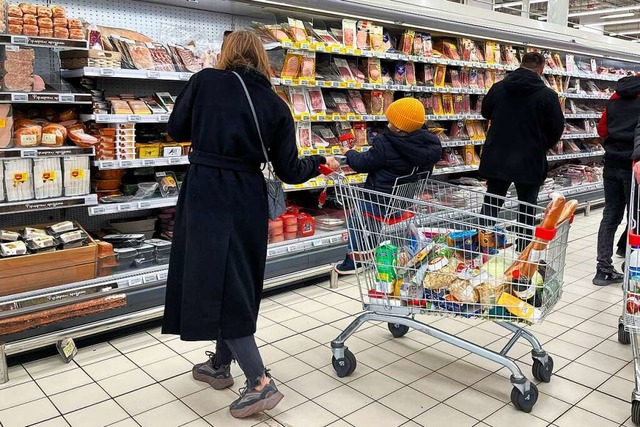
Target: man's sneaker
x=252, y=401
x=608, y=277
x=621, y=252
x=348, y=266
x=218, y=377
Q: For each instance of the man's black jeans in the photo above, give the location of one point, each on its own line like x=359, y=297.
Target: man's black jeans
x=617, y=189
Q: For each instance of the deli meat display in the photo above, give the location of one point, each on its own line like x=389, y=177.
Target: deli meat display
x=89, y=177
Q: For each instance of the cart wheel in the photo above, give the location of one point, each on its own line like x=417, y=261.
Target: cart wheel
x=398, y=330
x=346, y=365
x=524, y=402
x=542, y=372
x=623, y=336
x=635, y=412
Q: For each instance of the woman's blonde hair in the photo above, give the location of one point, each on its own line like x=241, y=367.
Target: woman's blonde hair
x=243, y=49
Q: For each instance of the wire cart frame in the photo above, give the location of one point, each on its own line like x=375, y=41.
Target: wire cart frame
x=629, y=323
x=406, y=240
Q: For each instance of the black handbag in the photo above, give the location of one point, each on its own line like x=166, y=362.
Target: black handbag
x=275, y=190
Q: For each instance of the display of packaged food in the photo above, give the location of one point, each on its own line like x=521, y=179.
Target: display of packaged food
x=315, y=100
x=18, y=179
x=349, y=33
x=13, y=249
x=303, y=134
x=19, y=67
x=292, y=64
x=360, y=131
x=406, y=42
x=48, y=178
x=376, y=104
x=298, y=100
x=139, y=107
x=356, y=102
x=31, y=232
x=374, y=70
x=440, y=76
x=344, y=71
x=8, y=236
x=167, y=183
x=43, y=243
x=165, y=100
x=76, y=175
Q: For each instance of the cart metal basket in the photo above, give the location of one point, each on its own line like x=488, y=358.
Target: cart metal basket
x=433, y=248
x=629, y=323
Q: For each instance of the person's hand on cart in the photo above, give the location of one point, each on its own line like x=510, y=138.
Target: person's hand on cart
x=344, y=150
x=333, y=163
x=636, y=171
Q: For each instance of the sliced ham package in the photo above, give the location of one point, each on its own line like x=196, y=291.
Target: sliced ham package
x=18, y=66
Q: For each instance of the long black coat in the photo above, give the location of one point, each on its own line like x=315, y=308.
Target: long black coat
x=216, y=270
x=526, y=120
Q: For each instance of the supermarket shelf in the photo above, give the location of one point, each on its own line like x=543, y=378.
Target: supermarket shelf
x=573, y=191
x=47, y=204
x=329, y=150
x=10, y=153
x=394, y=56
x=125, y=118
x=579, y=136
x=12, y=305
x=322, y=182
x=569, y=156
x=125, y=74
x=583, y=116
x=52, y=43
x=461, y=143
x=455, y=169
x=583, y=95
x=138, y=205
x=436, y=118
x=44, y=98
x=141, y=163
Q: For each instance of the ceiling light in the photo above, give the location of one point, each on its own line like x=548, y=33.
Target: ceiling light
x=515, y=3
x=618, y=15
x=597, y=12
x=620, y=22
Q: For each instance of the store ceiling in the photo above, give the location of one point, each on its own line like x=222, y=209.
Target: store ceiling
x=618, y=18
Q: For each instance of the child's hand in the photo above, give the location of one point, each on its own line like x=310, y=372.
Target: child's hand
x=333, y=163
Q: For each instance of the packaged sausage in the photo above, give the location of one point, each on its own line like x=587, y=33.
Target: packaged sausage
x=12, y=20
x=15, y=29
x=292, y=64
x=60, y=22
x=349, y=33
x=45, y=32
x=44, y=22
x=75, y=34
x=60, y=32
x=28, y=136
x=53, y=135
x=74, y=24
x=41, y=244
x=58, y=12
x=30, y=232
x=73, y=236
x=27, y=8
x=44, y=12
x=13, y=249
x=61, y=227
x=374, y=70
x=28, y=19
x=14, y=11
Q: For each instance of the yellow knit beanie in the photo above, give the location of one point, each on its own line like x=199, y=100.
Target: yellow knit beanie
x=406, y=114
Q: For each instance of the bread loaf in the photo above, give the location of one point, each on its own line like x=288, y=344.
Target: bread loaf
x=60, y=33
x=14, y=11
x=44, y=22
x=58, y=12
x=28, y=8
x=60, y=22
x=12, y=20
x=44, y=12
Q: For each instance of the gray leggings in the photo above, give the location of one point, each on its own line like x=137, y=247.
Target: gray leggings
x=245, y=351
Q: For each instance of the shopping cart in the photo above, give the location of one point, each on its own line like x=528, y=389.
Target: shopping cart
x=434, y=250
x=629, y=323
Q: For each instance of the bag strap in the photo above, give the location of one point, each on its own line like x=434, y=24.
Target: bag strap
x=255, y=119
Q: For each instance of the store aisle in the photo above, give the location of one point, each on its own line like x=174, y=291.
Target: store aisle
x=145, y=379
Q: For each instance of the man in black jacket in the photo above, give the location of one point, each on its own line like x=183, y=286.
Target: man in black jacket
x=617, y=127
x=525, y=121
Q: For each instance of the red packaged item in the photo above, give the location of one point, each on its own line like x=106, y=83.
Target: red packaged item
x=316, y=101
x=377, y=103
x=454, y=77
x=388, y=99
x=360, y=130
x=410, y=73
x=464, y=77
x=306, y=225
x=356, y=102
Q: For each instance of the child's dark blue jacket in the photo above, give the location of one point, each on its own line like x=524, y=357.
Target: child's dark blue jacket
x=393, y=155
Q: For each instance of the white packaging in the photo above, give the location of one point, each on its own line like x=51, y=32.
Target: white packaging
x=47, y=173
x=18, y=179
x=76, y=176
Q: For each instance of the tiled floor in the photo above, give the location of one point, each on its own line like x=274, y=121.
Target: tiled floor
x=144, y=379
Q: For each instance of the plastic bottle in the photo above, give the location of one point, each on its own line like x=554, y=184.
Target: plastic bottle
x=633, y=269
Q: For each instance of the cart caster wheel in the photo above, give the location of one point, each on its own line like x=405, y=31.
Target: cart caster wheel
x=623, y=336
x=524, y=402
x=542, y=372
x=398, y=330
x=346, y=365
x=635, y=412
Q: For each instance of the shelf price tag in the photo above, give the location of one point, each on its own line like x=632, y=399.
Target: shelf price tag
x=163, y=118
x=148, y=162
x=135, y=281
x=144, y=205
x=107, y=72
x=184, y=76
x=149, y=278
x=19, y=40
x=162, y=275
x=29, y=153
x=153, y=74
x=19, y=97
x=103, y=118
x=98, y=210
x=106, y=165
x=65, y=97
x=134, y=118
x=126, y=163
x=124, y=207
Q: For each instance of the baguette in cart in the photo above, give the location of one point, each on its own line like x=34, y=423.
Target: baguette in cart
x=428, y=249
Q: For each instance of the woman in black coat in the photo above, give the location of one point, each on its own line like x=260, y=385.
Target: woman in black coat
x=216, y=271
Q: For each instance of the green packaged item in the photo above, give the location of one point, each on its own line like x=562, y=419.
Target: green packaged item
x=386, y=258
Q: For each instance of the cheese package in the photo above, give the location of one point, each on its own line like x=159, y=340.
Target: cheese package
x=139, y=107
x=120, y=107
x=13, y=249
